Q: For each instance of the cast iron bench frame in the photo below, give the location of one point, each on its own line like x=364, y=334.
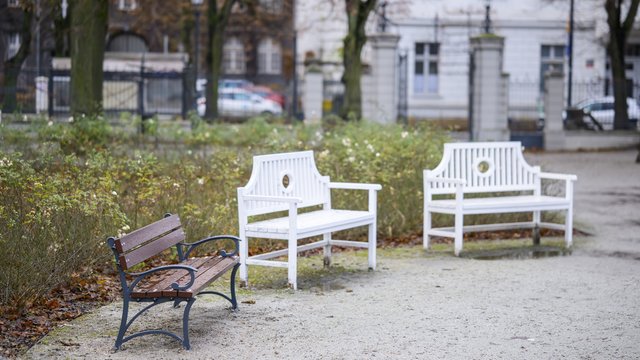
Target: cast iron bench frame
x=177, y=283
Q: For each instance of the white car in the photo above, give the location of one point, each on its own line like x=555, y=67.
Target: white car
x=235, y=102
x=601, y=109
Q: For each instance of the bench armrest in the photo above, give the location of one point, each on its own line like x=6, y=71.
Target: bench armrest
x=223, y=253
x=175, y=286
x=554, y=176
x=285, y=199
x=446, y=180
x=354, y=186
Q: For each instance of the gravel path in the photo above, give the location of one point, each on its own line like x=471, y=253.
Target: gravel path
x=420, y=305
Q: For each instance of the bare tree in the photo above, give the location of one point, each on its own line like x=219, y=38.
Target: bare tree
x=619, y=29
x=218, y=13
x=88, y=33
x=358, y=12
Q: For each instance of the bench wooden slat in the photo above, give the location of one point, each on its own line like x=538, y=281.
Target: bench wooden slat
x=144, y=234
x=150, y=249
x=207, y=276
x=155, y=286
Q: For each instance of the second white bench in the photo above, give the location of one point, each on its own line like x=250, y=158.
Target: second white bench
x=484, y=169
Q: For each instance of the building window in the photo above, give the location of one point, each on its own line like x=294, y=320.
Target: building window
x=551, y=59
x=426, y=68
x=127, y=42
x=233, y=57
x=13, y=3
x=271, y=6
x=13, y=45
x=269, y=57
x=127, y=5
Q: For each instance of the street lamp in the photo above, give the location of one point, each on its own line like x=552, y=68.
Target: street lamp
x=196, y=5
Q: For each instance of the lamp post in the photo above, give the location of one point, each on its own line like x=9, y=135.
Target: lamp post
x=196, y=5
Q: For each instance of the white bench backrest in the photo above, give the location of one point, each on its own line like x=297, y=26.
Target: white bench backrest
x=267, y=177
x=486, y=167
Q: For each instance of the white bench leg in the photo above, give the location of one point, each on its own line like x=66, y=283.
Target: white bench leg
x=244, y=253
x=327, y=249
x=293, y=263
x=536, y=228
x=372, y=246
x=568, y=227
x=426, y=228
x=458, y=233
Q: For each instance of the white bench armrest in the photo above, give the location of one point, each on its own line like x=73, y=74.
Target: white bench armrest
x=554, y=176
x=354, y=186
x=447, y=181
x=284, y=199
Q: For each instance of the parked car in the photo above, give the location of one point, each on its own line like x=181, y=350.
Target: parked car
x=267, y=93
x=234, y=102
x=233, y=83
x=601, y=109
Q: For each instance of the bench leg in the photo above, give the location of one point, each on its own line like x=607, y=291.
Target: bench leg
x=185, y=324
x=234, y=300
x=536, y=228
x=459, y=222
x=327, y=250
x=293, y=263
x=123, y=324
x=244, y=254
x=426, y=228
x=372, y=246
x=568, y=227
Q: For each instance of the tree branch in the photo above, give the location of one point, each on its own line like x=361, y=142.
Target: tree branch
x=631, y=15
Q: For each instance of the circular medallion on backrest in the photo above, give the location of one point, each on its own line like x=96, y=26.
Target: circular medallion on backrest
x=286, y=181
x=483, y=166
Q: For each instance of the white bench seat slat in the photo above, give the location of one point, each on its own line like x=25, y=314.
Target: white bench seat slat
x=503, y=204
x=487, y=168
x=312, y=223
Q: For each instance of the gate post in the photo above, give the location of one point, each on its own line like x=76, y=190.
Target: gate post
x=379, y=94
x=489, y=107
x=554, y=136
x=313, y=93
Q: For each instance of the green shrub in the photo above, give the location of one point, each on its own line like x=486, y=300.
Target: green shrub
x=57, y=210
x=53, y=215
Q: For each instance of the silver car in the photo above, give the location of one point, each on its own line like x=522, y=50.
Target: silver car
x=235, y=102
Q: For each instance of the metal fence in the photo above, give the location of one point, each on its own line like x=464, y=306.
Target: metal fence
x=142, y=92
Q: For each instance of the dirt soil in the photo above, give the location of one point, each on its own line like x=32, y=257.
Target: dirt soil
x=423, y=304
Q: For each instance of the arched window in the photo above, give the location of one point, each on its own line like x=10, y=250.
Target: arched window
x=269, y=57
x=127, y=42
x=233, y=57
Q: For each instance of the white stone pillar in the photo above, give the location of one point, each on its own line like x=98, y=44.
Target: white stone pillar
x=490, y=90
x=381, y=106
x=312, y=100
x=42, y=94
x=554, y=136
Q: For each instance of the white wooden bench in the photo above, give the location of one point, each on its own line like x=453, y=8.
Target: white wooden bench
x=289, y=182
x=483, y=168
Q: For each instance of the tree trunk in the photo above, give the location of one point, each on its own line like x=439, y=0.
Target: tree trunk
x=217, y=18
x=618, y=33
x=13, y=65
x=357, y=14
x=88, y=34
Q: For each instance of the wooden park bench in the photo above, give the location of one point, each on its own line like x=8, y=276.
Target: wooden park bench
x=484, y=170
x=170, y=283
x=289, y=182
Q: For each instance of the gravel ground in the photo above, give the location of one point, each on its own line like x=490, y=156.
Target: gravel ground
x=420, y=305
